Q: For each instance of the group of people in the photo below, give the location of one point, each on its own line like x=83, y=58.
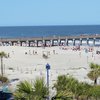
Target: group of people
x=34, y=52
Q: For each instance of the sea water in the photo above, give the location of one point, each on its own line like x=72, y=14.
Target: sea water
x=45, y=31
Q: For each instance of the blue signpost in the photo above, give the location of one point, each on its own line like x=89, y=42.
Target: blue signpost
x=48, y=68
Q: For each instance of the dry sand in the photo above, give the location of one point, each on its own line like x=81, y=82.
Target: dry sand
x=63, y=60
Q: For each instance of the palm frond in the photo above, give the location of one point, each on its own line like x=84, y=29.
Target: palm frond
x=25, y=87
x=3, y=54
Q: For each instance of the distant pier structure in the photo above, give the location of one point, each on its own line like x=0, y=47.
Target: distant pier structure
x=90, y=40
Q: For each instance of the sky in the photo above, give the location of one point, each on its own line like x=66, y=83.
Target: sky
x=49, y=12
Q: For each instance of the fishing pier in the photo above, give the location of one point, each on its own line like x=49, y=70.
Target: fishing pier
x=93, y=40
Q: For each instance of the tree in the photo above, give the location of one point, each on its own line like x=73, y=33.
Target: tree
x=40, y=88
x=70, y=88
x=24, y=91
x=4, y=79
x=61, y=83
x=28, y=91
x=94, y=72
x=82, y=91
x=78, y=89
x=95, y=92
x=65, y=87
x=2, y=55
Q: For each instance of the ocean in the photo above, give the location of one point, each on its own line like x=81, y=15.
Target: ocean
x=45, y=31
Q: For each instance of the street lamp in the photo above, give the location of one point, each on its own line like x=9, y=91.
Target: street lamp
x=48, y=68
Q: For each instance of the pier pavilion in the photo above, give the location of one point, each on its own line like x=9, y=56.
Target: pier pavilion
x=90, y=40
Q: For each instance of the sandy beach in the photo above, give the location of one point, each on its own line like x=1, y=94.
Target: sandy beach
x=27, y=63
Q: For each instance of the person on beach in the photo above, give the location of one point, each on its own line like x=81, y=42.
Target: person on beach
x=53, y=51
x=92, y=54
x=8, y=55
x=48, y=52
x=36, y=52
x=29, y=52
x=12, y=52
x=80, y=54
x=33, y=52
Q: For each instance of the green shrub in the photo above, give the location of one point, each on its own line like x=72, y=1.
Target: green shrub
x=3, y=79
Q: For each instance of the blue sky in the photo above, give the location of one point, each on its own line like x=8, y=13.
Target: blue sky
x=49, y=12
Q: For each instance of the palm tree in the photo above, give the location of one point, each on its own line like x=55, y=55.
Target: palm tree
x=2, y=55
x=63, y=95
x=28, y=91
x=95, y=92
x=40, y=88
x=4, y=79
x=24, y=91
x=82, y=91
x=68, y=87
x=61, y=83
x=65, y=87
x=94, y=73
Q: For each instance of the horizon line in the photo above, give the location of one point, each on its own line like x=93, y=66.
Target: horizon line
x=49, y=25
